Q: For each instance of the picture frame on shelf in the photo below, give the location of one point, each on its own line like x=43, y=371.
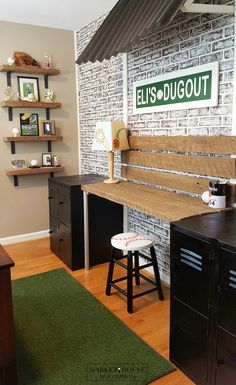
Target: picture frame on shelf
x=28, y=88
x=29, y=124
x=48, y=127
x=46, y=159
x=18, y=163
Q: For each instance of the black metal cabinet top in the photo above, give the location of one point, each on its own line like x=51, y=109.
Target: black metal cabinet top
x=75, y=180
x=210, y=226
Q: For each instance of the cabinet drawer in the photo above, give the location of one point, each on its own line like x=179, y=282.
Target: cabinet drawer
x=53, y=199
x=190, y=270
x=64, y=244
x=226, y=358
x=227, y=296
x=188, y=341
x=54, y=227
x=64, y=205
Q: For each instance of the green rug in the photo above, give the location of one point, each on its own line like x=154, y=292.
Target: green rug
x=65, y=336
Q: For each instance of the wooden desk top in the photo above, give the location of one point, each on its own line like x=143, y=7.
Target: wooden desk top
x=165, y=205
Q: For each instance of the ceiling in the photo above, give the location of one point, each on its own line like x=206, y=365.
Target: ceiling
x=64, y=14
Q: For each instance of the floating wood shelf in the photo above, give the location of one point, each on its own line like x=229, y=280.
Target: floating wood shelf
x=25, y=103
x=27, y=139
x=15, y=172
x=52, y=138
x=29, y=70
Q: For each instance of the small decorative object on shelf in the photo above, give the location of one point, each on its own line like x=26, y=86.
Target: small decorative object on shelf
x=48, y=127
x=34, y=164
x=23, y=59
x=28, y=88
x=18, y=163
x=55, y=161
x=47, y=61
x=10, y=94
x=15, y=131
x=49, y=95
x=29, y=124
x=46, y=159
x=11, y=61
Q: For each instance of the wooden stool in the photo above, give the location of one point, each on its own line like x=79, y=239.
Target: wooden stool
x=132, y=243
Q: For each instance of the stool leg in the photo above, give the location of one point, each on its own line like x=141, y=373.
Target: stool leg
x=129, y=282
x=136, y=261
x=156, y=273
x=110, y=271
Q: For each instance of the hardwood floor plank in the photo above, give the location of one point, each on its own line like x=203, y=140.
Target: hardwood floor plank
x=150, y=320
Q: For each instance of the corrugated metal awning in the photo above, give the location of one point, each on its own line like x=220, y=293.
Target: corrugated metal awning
x=127, y=22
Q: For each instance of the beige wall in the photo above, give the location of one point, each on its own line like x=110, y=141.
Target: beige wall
x=24, y=209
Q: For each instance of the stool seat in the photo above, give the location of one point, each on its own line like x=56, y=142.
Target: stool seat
x=131, y=241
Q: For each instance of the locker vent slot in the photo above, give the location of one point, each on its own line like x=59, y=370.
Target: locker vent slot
x=232, y=279
x=191, y=259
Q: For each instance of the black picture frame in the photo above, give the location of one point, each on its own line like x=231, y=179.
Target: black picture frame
x=28, y=86
x=48, y=127
x=29, y=124
x=46, y=159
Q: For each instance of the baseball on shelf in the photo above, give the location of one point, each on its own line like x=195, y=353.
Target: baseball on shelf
x=33, y=162
x=206, y=197
x=11, y=61
x=15, y=131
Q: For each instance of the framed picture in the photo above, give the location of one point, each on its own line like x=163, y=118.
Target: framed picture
x=47, y=159
x=48, y=127
x=29, y=125
x=18, y=163
x=28, y=88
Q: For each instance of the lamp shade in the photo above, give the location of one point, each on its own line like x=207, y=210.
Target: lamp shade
x=110, y=136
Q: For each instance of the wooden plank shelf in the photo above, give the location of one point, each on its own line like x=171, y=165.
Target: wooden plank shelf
x=15, y=172
x=27, y=139
x=39, y=138
x=26, y=103
x=29, y=70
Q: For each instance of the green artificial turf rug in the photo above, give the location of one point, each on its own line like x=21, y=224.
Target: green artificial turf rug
x=65, y=336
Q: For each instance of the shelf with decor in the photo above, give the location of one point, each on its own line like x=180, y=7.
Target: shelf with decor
x=24, y=103
x=26, y=139
x=15, y=172
x=33, y=70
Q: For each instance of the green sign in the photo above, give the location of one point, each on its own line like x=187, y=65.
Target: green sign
x=191, y=88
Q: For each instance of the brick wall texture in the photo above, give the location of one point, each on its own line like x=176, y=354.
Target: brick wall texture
x=190, y=40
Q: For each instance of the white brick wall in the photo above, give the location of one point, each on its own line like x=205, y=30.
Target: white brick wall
x=191, y=40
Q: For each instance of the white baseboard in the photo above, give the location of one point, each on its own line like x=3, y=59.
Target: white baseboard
x=24, y=237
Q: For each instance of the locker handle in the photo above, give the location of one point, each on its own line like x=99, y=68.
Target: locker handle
x=50, y=197
x=61, y=240
x=220, y=363
x=51, y=231
x=61, y=203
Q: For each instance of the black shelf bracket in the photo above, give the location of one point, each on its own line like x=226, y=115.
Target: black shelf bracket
x=49, y=146
x=16, y=183
x=46, y=81
x=9, y=79
x=10, y=115
x=13, y=147
x=48, y=113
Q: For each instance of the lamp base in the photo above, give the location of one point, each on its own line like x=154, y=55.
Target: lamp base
x=111, y=180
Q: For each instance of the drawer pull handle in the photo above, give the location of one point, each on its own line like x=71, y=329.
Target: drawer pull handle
x=51, y=231
x=50, y=197
x=61, y=240
x=61, y=203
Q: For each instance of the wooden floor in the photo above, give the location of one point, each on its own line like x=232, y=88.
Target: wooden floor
x=151, y=317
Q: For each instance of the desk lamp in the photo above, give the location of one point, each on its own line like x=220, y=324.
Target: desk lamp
x=110, y=136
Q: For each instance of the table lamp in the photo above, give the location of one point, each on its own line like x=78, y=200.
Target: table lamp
x=110, y=136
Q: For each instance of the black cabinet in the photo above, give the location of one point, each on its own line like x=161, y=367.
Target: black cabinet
x=203, y=298
x=67, y=221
